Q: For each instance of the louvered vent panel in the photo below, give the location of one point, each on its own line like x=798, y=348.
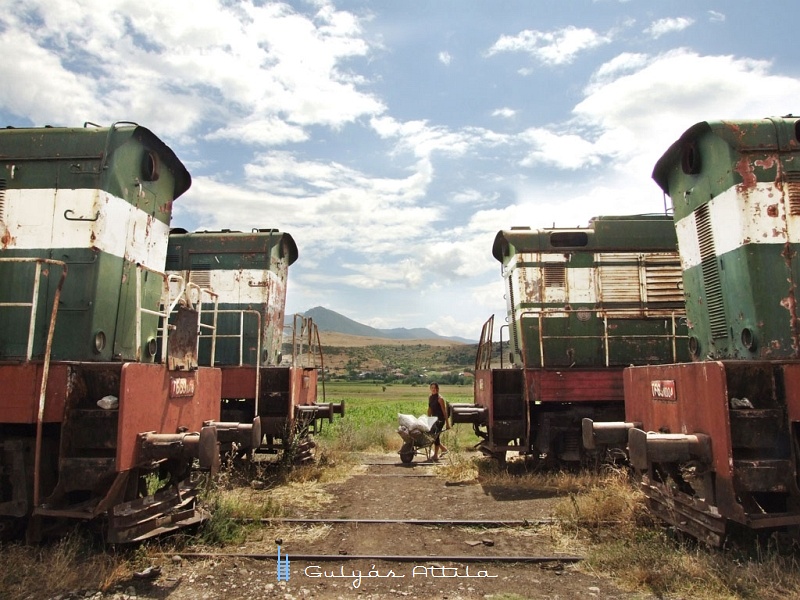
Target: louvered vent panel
x=620, y=284
x=555, y=275
x=201, y=274
x=663, y=279
x=711, y=280
x=511, y=301
x=793, y=186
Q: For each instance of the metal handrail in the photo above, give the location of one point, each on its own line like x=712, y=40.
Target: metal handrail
x=37, y=453
x=483, y=358
x=310, y=330
x=240, y=337
x=200, y=325
x=168, y=304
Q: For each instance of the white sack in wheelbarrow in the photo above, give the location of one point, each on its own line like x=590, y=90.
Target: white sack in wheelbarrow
x=412, y=423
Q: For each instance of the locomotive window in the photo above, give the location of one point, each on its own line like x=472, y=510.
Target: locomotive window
x=150, y=167
x=690, y=158
x=564, y=239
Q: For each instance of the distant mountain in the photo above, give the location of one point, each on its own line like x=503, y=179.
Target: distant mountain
x=328, y=320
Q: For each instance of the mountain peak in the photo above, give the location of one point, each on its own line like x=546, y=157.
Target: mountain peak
x=328, y=320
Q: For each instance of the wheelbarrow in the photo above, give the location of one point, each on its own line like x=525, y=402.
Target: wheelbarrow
x=416, y=437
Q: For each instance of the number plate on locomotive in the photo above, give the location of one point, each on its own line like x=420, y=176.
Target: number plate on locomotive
x=181, y=387
x=664, y=390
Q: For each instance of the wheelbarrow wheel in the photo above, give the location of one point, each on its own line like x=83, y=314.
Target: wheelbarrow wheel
x=407, y=453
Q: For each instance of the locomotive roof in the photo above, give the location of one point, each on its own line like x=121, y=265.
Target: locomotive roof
x=774, y=133
x=26, y=143
x=609, y=234
x=227, y=240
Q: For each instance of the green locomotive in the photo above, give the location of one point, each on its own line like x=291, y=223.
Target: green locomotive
x=715, y=440
x=582, y=304
x=90, y=409
x=277, y=393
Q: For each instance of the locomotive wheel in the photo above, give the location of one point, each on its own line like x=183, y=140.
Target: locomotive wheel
x=407, y=453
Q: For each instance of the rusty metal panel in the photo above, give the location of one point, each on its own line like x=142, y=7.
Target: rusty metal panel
x=20, y=384
x=791, y=379
x=687, y=398
x=145, y=405
x=575, y=385
x=303, y=386
x=526, y=283
x=239, y=382
x=483, y=389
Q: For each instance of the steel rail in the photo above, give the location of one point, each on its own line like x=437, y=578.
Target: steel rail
x=443, y=522
x=387, y=558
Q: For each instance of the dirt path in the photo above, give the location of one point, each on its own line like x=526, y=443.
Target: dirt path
x=386, y=489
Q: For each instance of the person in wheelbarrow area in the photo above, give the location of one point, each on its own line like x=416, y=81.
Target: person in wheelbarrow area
x=438, y=408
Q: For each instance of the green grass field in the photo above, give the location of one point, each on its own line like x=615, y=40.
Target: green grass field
x=371, y=409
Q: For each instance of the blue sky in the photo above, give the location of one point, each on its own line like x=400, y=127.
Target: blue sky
x=393, y=139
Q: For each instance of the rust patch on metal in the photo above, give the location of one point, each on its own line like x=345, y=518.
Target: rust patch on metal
x=772, y=210
x=790, y=301
x=767, y=163
x=745, y=170
x=7, y=239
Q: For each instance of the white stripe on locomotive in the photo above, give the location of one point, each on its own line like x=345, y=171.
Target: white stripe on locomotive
x=758, y=217
x=84, y=218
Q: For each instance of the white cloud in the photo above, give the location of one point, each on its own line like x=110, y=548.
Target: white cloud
x=716, y=17
x=550, y=47
x=504, y=112
x=259, y=72
x=423, y=141
x=639, y=109
x=445, y=58
x=565, y=151
x=670, y=25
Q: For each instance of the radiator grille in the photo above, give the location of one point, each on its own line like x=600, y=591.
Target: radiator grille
x=201, y=274
x=619, y=283
x=663, y=279
x=710, y=269
x=555, y=275
x=793, y=188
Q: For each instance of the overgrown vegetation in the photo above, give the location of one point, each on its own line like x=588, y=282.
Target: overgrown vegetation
x=406, y=364
x=75, y=561
x=606, y=513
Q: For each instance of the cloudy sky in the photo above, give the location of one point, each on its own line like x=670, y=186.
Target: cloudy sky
x=393, y=138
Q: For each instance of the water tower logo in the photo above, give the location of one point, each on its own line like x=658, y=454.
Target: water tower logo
x=283, y=566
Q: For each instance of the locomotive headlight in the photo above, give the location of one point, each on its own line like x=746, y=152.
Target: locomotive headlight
x=152, y=347
x=99, y=342
x=748, y=339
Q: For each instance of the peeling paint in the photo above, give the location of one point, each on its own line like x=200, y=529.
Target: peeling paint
x=745, y=170
x=7, y=240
